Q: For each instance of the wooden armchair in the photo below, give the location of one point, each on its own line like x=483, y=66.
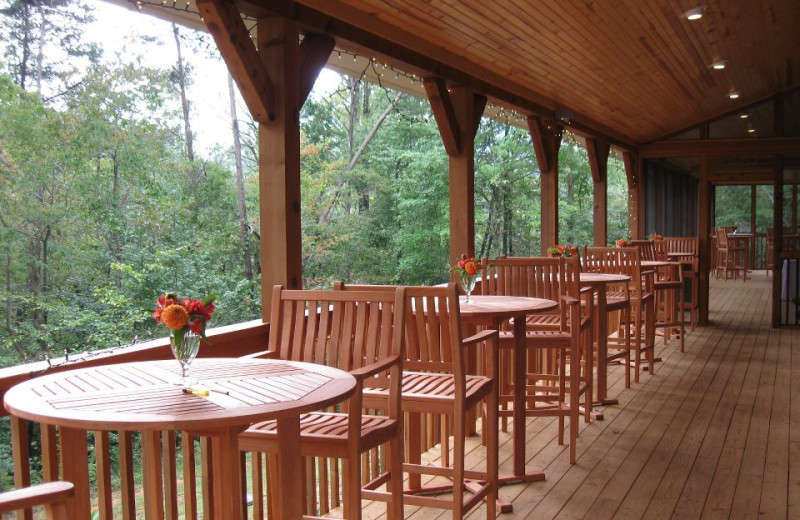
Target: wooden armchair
x=559, y=367
x=436, y=382
x=638, y=327
x=361, y=332
x=52, y=495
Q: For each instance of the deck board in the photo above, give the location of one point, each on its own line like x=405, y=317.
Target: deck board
x=707, y=436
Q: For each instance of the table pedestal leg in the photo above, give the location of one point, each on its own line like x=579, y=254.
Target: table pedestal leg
x=227, y=474
x=289, y=468
x=602, y=350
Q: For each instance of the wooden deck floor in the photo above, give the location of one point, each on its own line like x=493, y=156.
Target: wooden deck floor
x=715, y=433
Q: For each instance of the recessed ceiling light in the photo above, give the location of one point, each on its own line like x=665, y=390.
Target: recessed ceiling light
x=734, y=94
x=695, y=13
x=750, y=128
x=743, y=116
x=719, y=64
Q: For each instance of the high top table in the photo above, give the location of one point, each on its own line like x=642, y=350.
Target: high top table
x=491, y=311
x=599, y=281
x=142, y=397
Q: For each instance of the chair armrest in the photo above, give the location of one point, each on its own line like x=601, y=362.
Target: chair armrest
x=370, y=370
x=569, y=300
x=479, y=337
x=47, y=493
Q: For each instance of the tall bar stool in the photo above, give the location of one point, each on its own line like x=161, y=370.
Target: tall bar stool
x=668, y=292
x=684, y=249
x=559, y=345
x=640, y=322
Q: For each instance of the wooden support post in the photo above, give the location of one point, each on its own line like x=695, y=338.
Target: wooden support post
x=458, y=111
x=752, y=248
x=705, y=197
x=546, y=137
x=279, y=161
x=598, y=162
x=777, y=238
x=633, y=171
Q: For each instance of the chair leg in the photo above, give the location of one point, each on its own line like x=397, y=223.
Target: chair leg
x=414, y=439
x=459, y=450
x=492, y=452
x=352, y=487
x=394, y=509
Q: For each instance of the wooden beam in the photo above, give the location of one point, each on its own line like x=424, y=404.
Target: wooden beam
x=598, y=151
x=279, y=162
x=695, y=147
x=237, y=49
x=546, y=137
x=443, y=112
x=633, y=172
x=315, y=49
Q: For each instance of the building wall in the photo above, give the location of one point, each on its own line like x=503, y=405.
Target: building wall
x=670, y=200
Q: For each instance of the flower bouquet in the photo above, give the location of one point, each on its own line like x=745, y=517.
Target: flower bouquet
x=623, y=242
x=565, y=251
x=654, y=237
x=468, y=270
x=187, y=321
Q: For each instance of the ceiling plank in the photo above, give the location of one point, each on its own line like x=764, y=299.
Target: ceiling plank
x=240, y=54
x=412, y=53
x=696, y=147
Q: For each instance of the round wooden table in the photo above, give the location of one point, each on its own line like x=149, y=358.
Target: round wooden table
x=142, y=397
x=490, y=312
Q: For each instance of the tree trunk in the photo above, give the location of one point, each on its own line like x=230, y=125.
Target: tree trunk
x=237, y=153
x=184, y=101
x=325, y=214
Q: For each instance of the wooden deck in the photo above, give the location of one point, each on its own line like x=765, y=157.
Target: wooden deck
x=707, y=437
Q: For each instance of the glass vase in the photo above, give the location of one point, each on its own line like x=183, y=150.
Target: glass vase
x=185, y=350
x=468, y=284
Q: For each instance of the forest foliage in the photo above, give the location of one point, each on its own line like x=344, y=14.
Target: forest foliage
x=102, y=209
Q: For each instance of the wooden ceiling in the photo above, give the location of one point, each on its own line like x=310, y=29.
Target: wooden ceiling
x=635, y=71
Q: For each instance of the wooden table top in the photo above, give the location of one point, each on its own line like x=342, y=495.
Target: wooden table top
x=603, y=278
x=142, y=396
x=498, y=306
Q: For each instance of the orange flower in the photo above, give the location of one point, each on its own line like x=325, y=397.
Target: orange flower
x=175, y=316
x=471, y=267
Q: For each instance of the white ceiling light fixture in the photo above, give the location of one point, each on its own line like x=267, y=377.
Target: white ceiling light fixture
x=743, y=116
x=719, y=64
x=734, y=94
x=695, y=13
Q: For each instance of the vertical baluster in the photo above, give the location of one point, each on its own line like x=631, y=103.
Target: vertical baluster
x=257, y=476
x=189, y=477
x=126, y=481
x=170, y=474
x=103, y=461
x=22, y=468
x=206, y=472
x=272, y=484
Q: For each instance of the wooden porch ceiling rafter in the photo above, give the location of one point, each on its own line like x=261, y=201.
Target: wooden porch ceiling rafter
x=362, y=34
x=698, y=147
